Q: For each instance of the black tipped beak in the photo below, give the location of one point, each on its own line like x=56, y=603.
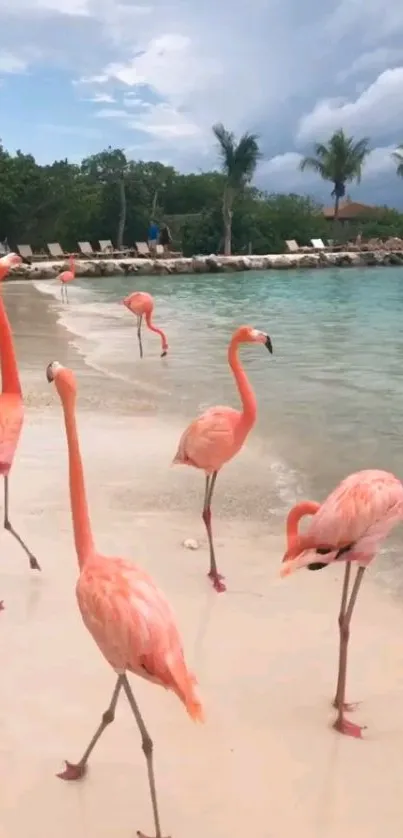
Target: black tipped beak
x=49, y=372
x=164, y=353
x=269, y=345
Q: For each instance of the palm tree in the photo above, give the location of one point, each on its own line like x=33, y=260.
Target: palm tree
x=239, y=161
x=340, y=161
x=398, y=158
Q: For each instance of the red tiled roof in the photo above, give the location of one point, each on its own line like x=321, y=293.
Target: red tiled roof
x=349, y=209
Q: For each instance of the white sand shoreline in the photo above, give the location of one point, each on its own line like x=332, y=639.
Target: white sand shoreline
x=265, y=655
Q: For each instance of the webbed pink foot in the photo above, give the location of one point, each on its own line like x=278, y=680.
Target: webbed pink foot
x=217, y=580
x=349, y=728
x=73, y=772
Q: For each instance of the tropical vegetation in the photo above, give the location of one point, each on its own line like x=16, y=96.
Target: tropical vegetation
x=108, y=196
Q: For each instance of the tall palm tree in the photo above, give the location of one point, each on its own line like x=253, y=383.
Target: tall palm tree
x=238, y=161
x=340, y=161
x=398, y=158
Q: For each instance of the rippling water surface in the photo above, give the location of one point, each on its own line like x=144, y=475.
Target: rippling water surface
x=331, y=396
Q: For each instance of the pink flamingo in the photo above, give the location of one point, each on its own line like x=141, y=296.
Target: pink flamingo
x=142, y=304
x=129, y=618
x=11, y=406
x=67, y=276
x=349, y=526
x=219, y=433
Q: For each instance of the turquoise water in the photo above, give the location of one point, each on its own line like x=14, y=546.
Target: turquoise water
x=331, y=396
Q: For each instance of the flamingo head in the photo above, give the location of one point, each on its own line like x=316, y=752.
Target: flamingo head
x=63, y=378
x=247, y=334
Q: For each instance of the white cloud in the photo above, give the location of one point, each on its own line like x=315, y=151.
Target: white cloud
x=167, y=123
x=374, y=59
x=111, y=113
x=377, y=112
x=102, y=97
x=10, y=63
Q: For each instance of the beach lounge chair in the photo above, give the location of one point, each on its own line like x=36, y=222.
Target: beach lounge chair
x=25, y=250
x=142, y=249
x=159, y=251
x=56, y=251
x=86, y=249
x=318, y=244
x=107, y=248
x=292, y=246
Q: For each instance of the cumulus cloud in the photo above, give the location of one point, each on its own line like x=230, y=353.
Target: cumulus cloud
x=376, y=112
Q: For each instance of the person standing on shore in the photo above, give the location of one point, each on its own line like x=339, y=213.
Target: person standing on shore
x=153, y=235
x=165, y=238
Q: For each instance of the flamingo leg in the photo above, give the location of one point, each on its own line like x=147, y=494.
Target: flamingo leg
x=148, y=747
x=33, y=562
x=139, y=324
x=216, y=577
x=348, y=707
x=75, y=771
x=341, y=724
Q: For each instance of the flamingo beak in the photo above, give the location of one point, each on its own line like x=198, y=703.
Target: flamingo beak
x=268, y=344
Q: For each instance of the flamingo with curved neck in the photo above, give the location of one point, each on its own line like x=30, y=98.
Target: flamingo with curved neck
x=142, y=304
x=129, y=618
x=11, y=406
x=219, y=433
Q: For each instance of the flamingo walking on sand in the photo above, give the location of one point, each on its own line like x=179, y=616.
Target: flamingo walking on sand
x=142, y=304
x=219, y=433
x=11, y=405
x=129, y=618
x=348, y=526
x=67, y=276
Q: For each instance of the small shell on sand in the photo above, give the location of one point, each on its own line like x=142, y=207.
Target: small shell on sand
x=190, y=544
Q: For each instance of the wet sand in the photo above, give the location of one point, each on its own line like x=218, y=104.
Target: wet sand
x=266, y=763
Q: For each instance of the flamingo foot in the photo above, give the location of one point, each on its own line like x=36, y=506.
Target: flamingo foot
x=349, y=728
x=348, y=707
x=72, y=772
x=34, y=564
x=217, y=580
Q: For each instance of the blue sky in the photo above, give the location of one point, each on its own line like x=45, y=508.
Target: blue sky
x=152, y=77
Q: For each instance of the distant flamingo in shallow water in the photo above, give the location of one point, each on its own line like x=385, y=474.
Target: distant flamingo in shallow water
x=219, y=433
x=142, y=304
x=67, y=276
x=11, y=405
x=129, y=618
x=349, y=526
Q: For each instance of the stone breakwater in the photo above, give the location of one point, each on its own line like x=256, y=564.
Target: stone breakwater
x=209, y=264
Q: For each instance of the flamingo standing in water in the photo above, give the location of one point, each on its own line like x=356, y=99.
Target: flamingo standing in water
x=129, y=618
x=219, y=433
x=348, y=526
x=11, y=405
x=67, y=276
x=142, y=304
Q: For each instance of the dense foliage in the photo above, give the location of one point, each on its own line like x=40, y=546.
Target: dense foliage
x=66, y=202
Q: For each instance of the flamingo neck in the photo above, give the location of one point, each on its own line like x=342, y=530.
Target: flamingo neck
x=79, y=508
x=8, y=361
x=152, y=328
x=248, y=399
x=305, y=507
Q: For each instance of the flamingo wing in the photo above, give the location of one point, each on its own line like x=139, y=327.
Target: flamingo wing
x=210, y=440
x=133, y=624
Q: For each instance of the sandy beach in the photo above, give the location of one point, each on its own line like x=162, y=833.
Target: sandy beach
x=266, y=763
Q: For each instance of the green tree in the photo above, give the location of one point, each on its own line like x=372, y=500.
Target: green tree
x=239, y=161
x=398, y=158
x=340, y=162
x=110, y=167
